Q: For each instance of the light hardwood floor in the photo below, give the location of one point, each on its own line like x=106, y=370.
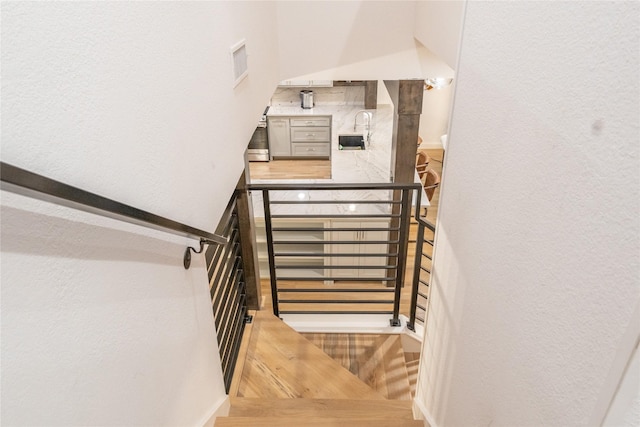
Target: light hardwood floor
x=378, y=360
x=281, y=363
x=290, y=169
x=285, y=380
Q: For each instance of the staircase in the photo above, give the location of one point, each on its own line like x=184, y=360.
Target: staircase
x=286, y=380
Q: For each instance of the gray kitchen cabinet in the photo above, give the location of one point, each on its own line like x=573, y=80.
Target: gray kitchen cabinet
x=300, y=149
x=311, y=121
x=306, y=136
x=279, y=138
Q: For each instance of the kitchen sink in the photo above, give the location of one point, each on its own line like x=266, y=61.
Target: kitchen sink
x=351, y=142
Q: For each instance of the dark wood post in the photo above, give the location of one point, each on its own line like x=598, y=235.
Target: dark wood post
x=407, y=100
x=370, y=94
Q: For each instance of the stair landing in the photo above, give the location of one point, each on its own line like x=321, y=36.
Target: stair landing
x=281, y=363
x=378, y=360
x=287, y=381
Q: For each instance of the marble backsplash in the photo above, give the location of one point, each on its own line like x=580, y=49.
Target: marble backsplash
x=340, y=95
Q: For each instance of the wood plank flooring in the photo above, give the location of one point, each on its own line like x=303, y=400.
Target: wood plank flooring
x=412, y=361
x=337, y=408
x=378, y=360
x=370, y=421
x=290, y=169
x=280, y=363
x=287, y=381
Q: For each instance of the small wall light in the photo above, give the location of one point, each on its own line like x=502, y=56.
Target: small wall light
x=437, y=83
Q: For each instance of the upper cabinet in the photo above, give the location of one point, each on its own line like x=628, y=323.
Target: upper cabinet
x=306, y=83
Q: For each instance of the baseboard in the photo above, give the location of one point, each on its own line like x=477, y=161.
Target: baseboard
x=220, y=409
x=421, y=413
x=343, y=323
x=351, y=324
x=410, y=342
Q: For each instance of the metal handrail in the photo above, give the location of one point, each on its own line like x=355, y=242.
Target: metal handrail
x=24, y=182
x=424, y=222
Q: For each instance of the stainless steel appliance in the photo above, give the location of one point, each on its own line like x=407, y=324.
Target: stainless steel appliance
x=258, y=150
x=306, y=99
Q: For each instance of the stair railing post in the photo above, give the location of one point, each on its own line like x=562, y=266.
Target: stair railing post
x=416, y=276
x=272, y=267
x=403, y=238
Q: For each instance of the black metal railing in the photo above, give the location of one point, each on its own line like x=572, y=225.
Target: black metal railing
x=223, y=254
x=421, y=273
x=337, y=248
x=40, y=187
x=228, y=290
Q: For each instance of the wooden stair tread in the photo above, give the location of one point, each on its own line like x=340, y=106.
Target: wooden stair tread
x=313, y=422
x=281, y=363
x=311, y=408
x=242, y=357
x=378, y=360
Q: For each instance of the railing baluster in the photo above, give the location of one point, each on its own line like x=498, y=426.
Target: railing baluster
x=228, y=291
x=305, y=245
x=272, y=267
x=405, y=215
x=416, y=276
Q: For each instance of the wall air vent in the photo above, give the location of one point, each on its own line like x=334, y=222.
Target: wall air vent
x=239, y=62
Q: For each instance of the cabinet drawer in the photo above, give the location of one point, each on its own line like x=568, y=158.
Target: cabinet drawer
x=302, y=149
x=310, y=121
x=310, y=134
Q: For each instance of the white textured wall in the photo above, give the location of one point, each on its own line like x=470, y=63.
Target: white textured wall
x=536, y=271
x=101, y=324
x=625, y=408
x=344, y=40
x=438, y=26
x=136, y=99
x=436, y=103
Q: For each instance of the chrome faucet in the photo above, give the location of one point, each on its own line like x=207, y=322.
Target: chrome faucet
x=368, y=117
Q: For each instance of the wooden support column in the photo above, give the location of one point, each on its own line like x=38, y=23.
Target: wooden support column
x=247, y=231
x=370, y=94
x=407, y=100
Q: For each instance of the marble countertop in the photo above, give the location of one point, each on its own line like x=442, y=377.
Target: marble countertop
x=372, y=165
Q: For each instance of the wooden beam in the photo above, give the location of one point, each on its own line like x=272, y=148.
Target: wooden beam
x=407, y=100
x=371, y=94
x=406, y=96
